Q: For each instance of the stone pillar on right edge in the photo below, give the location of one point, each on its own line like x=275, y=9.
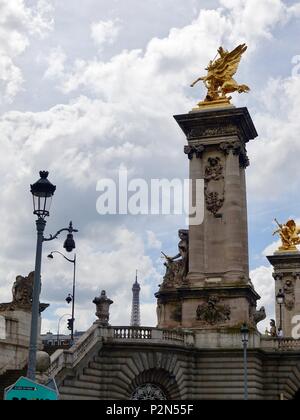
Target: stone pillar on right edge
x=287, y=278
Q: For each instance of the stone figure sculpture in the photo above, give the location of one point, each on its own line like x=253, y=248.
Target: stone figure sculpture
x=259, y=315
x=21, y=293
x=177, y=267
x=219, y=79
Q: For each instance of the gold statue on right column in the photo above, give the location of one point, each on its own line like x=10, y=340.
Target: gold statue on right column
x=289, y=234
x=219, y=79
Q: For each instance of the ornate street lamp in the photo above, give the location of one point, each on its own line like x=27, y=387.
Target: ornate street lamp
x=69, y=244
x=42, y=193
x=280, y=297
x=245, y=339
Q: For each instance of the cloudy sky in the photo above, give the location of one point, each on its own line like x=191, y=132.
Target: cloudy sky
x=89, y=87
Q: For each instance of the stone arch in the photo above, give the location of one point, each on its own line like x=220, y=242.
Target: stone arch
x=161, y=378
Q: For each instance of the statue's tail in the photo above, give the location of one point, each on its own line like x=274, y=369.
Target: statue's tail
x=243, y=89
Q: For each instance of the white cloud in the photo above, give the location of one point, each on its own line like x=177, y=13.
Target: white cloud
x=105, y=32
x=152, y=240
x=55, y=63
x=18, y=23
x=274, y=156
x=265, y=286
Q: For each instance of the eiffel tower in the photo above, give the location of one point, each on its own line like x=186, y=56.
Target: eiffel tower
x=135, y=311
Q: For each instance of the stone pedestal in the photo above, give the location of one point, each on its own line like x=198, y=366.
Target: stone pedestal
x=15, y=343
x=217, y=291
x=287, y=278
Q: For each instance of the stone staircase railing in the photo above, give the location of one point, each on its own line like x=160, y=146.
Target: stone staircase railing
x=70, y=358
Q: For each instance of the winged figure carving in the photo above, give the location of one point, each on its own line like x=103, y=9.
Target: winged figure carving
x=219, y=79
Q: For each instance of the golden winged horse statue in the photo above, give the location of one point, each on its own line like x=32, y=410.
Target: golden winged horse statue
x=219, y=79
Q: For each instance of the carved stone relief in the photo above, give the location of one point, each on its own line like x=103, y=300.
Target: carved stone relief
x=289, y=292
x=219, y=131
x=214, y=185
x=213, y=312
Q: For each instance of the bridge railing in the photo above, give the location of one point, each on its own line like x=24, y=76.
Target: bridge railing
x=96, y=334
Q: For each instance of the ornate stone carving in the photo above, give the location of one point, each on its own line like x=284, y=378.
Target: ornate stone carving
x=213, y=312
x=237, y=149
x=219, y=131
x=102, y=304
x=277, y=276
x=194, y=150
x=148, y=392
x=214, y=185
x=22, y=294
x=259, y=315
x=177, y=267
x=289, y=292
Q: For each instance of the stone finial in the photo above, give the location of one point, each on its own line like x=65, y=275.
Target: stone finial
x=102, y=305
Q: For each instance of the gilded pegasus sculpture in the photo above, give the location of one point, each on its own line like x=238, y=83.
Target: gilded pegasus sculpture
x=219, y=79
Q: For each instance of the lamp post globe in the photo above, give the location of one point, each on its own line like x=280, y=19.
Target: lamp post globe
x=280, y=297
x=245, y=333
x=42, y=192
x=69, y=244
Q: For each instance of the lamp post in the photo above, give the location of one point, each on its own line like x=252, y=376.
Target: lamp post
x=58, y=326
x=71, y=297
x=245, y=339
x=42, y=192
x=280, y=301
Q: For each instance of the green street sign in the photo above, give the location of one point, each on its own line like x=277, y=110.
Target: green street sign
x=26, y=390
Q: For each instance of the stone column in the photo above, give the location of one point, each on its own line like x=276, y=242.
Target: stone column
x=196, y=233
x=235, y=232
x=218, y=294
x=287, y=278
x=217, y=153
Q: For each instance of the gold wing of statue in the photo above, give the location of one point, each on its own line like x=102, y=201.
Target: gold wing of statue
x=226, y=66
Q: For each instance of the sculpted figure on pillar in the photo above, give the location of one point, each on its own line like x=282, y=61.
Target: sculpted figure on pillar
x=177, y=267
x=289, y=234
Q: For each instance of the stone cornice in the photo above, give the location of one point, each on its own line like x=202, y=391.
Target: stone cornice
x=217, y=123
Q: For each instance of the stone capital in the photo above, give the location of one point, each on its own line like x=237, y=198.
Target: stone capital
x=191, y=151
x=277, y=276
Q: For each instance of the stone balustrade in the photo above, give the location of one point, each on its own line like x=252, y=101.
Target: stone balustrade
x=132, y=333
x=288, y=343
x=96, y=334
